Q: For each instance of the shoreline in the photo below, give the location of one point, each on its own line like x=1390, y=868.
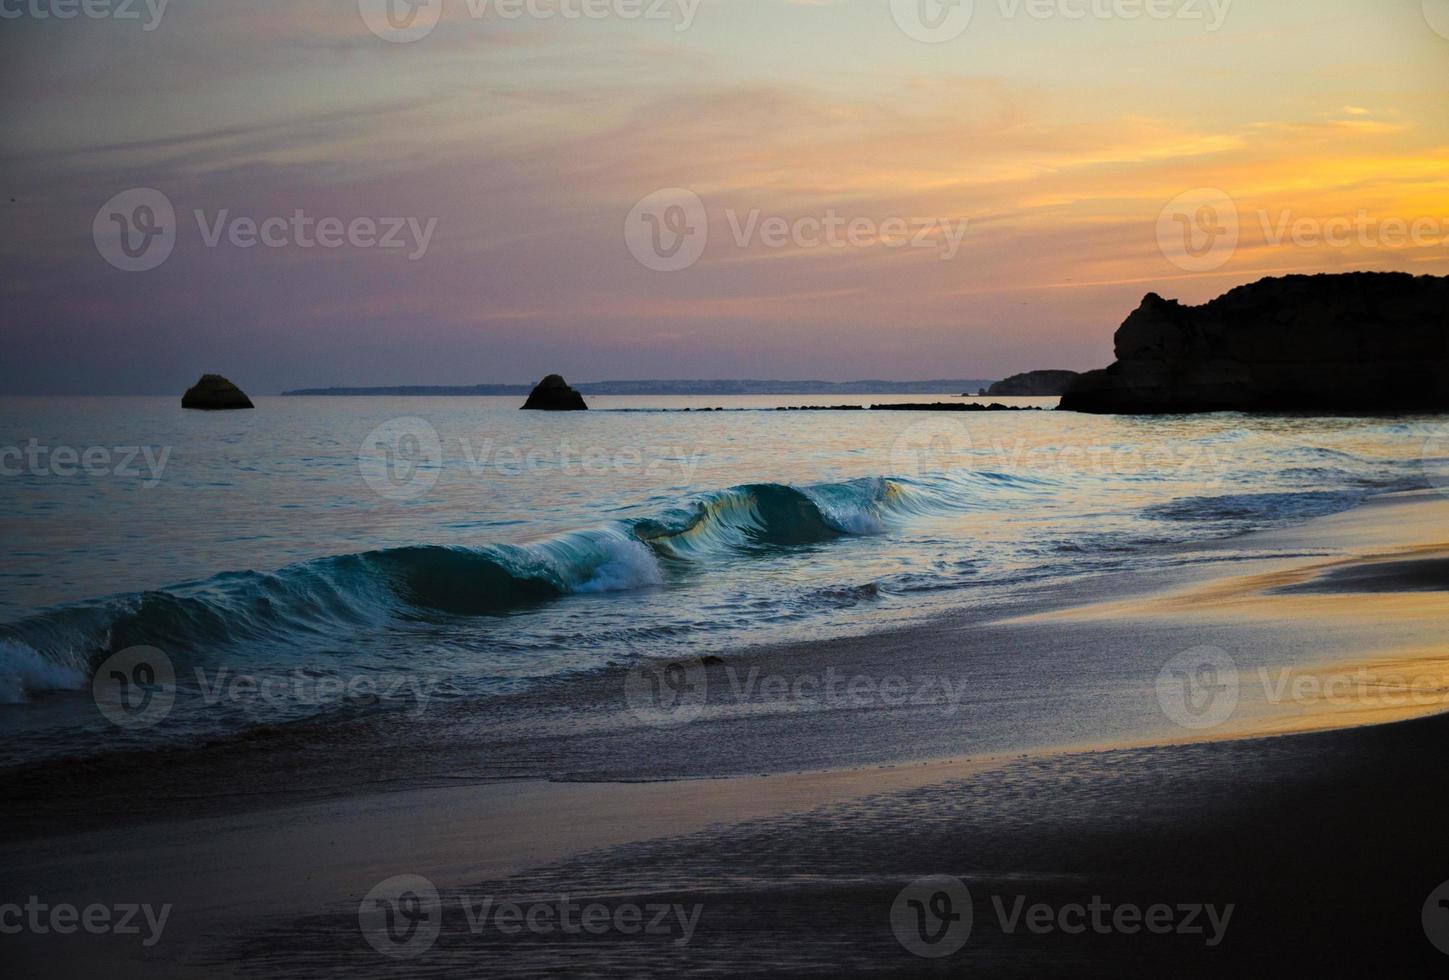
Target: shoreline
x=1141, y=604
x=360, y=808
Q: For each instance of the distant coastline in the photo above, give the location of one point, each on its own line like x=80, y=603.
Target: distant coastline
x=670, y=387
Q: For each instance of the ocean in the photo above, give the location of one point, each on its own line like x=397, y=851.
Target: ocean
x=330, y=552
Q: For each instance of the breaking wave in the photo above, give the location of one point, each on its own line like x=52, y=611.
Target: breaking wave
x=306, y=603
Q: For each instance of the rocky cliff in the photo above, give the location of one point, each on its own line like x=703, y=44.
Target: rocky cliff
x=1034, y=383
x=1357, y=342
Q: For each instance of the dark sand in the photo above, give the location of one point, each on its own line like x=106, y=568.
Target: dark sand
x=1326, y=845
x=1414, y=575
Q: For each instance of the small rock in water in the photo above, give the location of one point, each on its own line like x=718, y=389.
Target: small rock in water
x=554, y=395
x=213, y=393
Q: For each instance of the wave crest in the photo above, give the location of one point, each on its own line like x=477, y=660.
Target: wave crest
x=315, y=600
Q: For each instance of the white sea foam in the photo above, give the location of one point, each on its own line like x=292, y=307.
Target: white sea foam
x=23, y=670
x=631, y=565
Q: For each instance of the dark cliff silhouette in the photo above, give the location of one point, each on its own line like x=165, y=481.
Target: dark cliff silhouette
x=1359, y=342
x=1034, y=383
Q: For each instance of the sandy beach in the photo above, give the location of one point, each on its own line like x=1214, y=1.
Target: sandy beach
x=264, y=848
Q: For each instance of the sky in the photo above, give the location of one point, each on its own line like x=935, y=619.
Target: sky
x=613, y=189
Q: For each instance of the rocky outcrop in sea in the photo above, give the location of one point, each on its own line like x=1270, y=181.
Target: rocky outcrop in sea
x=213, y=393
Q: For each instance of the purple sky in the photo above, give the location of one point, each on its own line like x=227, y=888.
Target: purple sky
x=1001, y=194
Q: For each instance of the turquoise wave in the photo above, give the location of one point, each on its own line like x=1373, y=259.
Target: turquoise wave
x=307, y=603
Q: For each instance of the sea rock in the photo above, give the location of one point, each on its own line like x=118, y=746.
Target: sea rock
x=1358, y=342
x=554, y=395
x=213, y=393
x=1033, y=383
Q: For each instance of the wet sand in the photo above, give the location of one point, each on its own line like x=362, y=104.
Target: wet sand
x=1326, y=844
x=1317, y=851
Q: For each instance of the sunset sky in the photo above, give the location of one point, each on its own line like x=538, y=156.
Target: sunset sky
x=1058, y=141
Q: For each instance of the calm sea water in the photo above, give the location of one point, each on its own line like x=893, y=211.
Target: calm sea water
x=316, y=541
